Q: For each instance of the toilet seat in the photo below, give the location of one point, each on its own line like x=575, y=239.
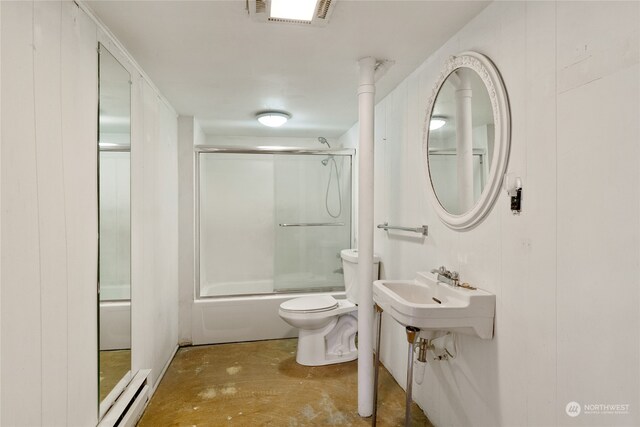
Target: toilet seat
x=313, y=304
x=339, y=307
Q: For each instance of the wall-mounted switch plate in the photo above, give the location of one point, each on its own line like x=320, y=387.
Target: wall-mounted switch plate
x=516, y=201
x=513, y=185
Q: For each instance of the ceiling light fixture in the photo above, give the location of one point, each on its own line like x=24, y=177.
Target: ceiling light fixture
x=273, y=119
x=299, y=10
x=437, y=123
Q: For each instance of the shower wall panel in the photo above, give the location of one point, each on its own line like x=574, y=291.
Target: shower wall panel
x=236, y=224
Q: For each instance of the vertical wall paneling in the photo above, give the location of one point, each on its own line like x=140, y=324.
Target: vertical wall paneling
x=21, y=326
x=186, y=229
x=565, y=272
x=51, y=196
x=79, y=134
x=49, y=226
x=154, y=194
x=537, y=246
x=0, y=216
x=166, y=234
x=48, y=221
x=598, y=64
x=154, y=219
x=139, y=343
x=146, y=198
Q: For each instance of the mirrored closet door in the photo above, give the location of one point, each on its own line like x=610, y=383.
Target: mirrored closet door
x=114, y=148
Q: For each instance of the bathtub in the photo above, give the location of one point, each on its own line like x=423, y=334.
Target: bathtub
x=115, y=325
x=287, y=283
x=243, y=318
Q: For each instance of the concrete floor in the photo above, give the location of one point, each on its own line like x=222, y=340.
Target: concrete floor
x=114, y=364
x=260, y=384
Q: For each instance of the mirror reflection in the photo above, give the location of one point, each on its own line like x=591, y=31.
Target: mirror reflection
x=461, y=141
x=114, y=140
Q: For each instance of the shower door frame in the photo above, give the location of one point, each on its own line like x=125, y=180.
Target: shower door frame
x=274, y=150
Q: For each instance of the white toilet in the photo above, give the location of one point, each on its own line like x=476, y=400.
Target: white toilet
x=327, y=325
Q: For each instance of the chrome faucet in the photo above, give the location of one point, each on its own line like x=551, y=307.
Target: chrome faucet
x=449, y=277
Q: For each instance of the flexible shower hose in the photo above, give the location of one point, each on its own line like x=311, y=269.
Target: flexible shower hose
x=326, y=198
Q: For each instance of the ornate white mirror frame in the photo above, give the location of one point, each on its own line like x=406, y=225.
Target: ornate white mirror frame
x=492, y=80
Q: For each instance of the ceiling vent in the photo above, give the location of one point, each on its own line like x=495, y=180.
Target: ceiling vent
x=260, y=11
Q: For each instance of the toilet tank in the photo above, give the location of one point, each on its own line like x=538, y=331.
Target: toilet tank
x=350, y=268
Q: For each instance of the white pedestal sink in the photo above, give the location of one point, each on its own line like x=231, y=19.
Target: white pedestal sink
x=435, y=307
x=429, y=308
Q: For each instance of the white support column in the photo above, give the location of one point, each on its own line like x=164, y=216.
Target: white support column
x=464, y=138
x=366, y=99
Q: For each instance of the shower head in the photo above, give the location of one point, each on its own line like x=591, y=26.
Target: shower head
x=323, y=140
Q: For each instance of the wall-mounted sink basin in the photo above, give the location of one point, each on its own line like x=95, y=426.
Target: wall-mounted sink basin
x=436, y=307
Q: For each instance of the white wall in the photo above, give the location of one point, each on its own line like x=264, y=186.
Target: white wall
x=154, y=219
x=154, y=225
x=189, y=134
x=565, y=272
x=0, y=218
x=49, y=220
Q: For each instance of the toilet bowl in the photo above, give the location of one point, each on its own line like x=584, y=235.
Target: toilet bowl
x=327, y=326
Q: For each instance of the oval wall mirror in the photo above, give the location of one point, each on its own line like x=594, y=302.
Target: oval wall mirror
x=466, y=139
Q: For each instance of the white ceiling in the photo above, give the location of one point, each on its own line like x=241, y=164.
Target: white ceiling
x=212, y=61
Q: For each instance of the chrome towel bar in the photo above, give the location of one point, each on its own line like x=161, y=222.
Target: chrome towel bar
x=423, y=229
x=313, y=224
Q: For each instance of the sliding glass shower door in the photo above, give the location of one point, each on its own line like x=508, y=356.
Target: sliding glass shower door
x=272, y=222
x=312, y=221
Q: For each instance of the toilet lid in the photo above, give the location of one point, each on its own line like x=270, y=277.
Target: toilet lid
x=310, y=304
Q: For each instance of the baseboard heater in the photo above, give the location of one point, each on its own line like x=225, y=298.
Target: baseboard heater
x=128, y=407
